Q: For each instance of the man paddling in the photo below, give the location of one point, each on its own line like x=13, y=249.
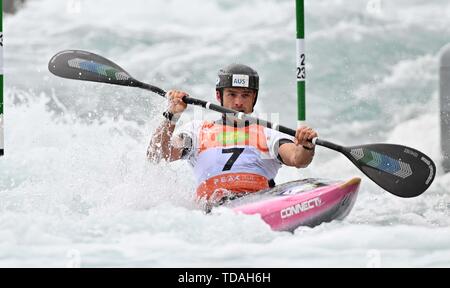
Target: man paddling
x=230, y=157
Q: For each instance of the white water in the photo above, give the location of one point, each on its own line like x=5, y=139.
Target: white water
x=76, y=189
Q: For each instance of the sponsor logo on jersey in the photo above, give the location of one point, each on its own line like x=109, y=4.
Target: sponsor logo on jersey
x=227, y=179
x=234, y=137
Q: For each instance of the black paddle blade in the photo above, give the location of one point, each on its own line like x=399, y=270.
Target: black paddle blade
x=83, y=65
x=400, y=170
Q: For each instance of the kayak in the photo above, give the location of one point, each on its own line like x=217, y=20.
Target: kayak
x=307, y=202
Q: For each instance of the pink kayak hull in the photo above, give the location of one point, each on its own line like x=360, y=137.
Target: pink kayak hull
x=294, y=205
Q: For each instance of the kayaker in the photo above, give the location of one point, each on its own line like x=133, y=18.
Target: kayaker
x=230, y=157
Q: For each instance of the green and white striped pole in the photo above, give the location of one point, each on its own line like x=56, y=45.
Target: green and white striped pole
x=1, y=80
x=301, y=68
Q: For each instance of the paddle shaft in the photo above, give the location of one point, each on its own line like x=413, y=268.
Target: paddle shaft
x=240, y=115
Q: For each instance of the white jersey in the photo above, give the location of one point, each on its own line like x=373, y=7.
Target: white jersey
x=223, y=152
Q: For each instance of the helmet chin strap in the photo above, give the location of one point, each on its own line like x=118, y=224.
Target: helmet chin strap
x=220, y=96
x=256, y=98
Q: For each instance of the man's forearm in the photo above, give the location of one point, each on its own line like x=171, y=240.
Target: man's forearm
x=296, y=156
x=160, y=145
x=302, y=157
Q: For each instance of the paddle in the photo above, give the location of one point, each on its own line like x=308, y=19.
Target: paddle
x=400, y=170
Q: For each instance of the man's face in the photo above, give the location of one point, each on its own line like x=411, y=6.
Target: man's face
x=239, y=99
